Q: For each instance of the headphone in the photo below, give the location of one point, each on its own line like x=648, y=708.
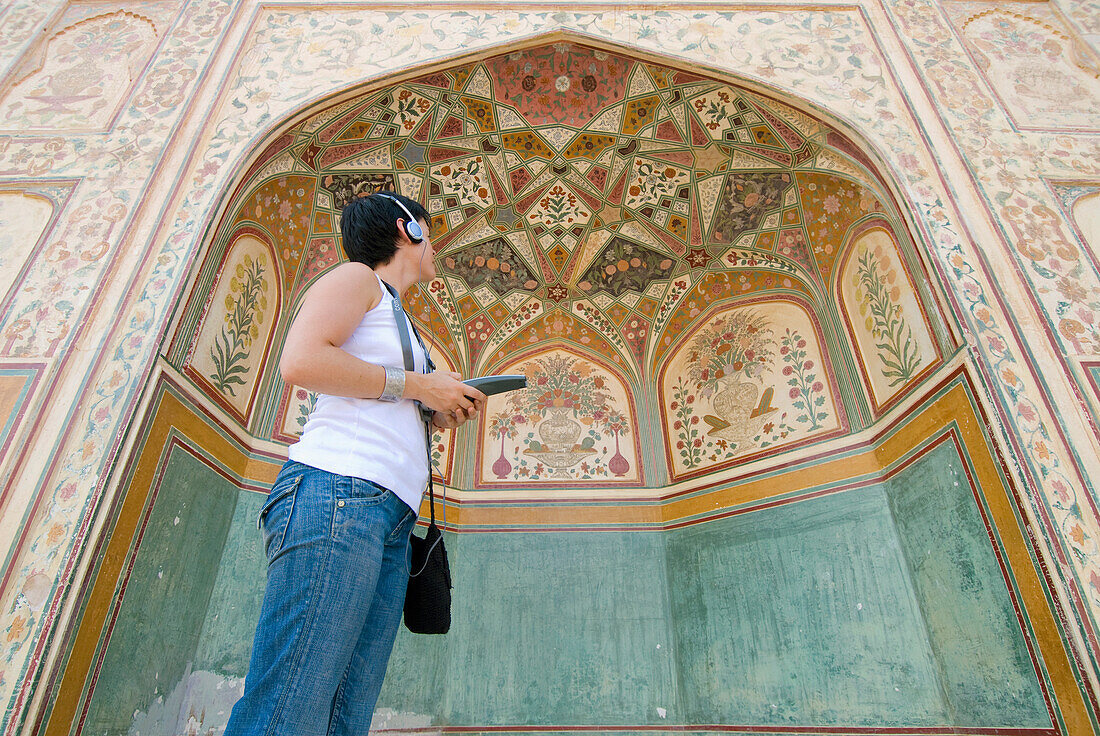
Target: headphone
x=412, y=227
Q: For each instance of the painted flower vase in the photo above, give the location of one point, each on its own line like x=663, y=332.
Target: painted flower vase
x=559, y=432
x=618, y=464
x=734, y=405
x=501, y=466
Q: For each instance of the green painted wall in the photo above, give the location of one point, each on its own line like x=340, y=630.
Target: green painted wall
x=547, y=628
x=803, y=615
x=226, y=639
x=167, y=596
x=987, y=675
x=876, y=606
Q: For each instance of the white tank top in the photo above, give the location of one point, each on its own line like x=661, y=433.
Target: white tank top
x=379, y=441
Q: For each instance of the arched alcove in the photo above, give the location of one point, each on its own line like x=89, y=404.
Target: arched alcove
x=885, y=319
x=844, y=552
x=232, y=342
x=574, y=426
x=747, y=381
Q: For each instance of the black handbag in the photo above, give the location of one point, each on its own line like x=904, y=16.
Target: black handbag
x=428, y=598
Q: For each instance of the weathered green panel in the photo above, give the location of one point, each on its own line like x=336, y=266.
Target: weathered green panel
x=167, y=594
x=978, y=644
x=226, y=641
x=548, y=628
x=801, y=615
x=877, y=606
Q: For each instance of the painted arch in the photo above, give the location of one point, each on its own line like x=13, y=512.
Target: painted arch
x=579, y=193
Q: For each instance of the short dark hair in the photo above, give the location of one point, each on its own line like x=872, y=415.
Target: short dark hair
x=368, y=226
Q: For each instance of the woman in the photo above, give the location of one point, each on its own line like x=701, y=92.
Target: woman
x=337, y=521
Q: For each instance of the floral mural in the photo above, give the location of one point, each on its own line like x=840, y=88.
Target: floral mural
x=233, y=341
x=282, y=208
x=572, y=423
x=1032, y=64
x=623, y=266
x=465, y=182
x=561, y=82
x=244, y=314
x=748, y=197
x=749, y=379
x=88, y=72
x=888, y=325
x=299, y=404
x=726, y=358
x=493, y=263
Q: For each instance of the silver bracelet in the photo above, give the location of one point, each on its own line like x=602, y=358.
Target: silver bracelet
x=394, y=389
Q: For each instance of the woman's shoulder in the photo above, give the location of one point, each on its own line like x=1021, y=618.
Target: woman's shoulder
x=350, y=270
x=349, y=274
x=350, y=281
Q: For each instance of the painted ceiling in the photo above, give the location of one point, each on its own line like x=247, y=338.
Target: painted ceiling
x=565, y=176
x=595, y=218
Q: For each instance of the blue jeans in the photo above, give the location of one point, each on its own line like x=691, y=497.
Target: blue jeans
x=336, y=579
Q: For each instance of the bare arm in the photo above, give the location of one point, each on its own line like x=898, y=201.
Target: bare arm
x=330, y=311
x=312, y=357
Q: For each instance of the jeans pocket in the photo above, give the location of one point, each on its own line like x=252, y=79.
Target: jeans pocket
x=275, y=515
x=404, y=528
x=360, y=492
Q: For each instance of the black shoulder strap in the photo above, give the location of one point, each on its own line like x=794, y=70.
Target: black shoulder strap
x=403, y=325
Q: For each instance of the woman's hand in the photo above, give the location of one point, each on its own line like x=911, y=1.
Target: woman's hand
x=444, y=393
x=450, y=419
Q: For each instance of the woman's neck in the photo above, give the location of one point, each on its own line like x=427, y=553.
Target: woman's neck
x=398, y=274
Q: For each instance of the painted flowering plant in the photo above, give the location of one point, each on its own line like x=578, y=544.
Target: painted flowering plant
x=879, y=302
x=807, y=392
x=558, y=381
x=244, y=313
x=503, y=424
x=740, y=344
x=616, y=423
x=557, y=386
